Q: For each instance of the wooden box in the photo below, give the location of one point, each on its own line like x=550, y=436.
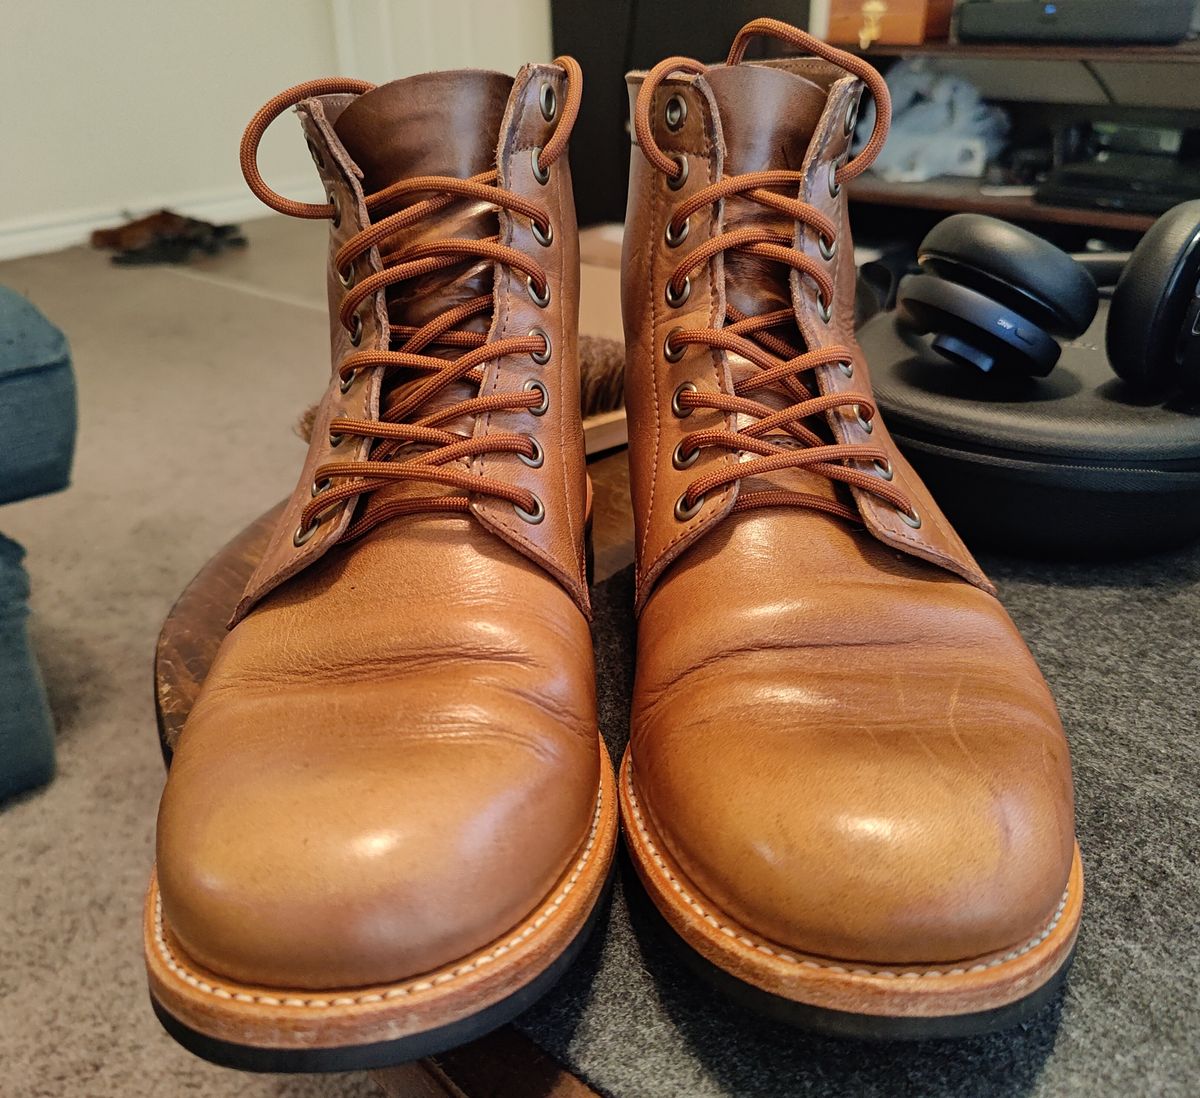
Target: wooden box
x=862, y=23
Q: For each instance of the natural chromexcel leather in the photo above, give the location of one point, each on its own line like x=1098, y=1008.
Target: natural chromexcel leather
x=395, y=754
x=837, y=732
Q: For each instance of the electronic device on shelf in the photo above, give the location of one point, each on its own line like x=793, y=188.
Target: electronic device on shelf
x=1120, y=166
x=1161, y=22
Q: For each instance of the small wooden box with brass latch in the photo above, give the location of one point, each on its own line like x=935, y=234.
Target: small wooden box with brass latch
x=889, y=22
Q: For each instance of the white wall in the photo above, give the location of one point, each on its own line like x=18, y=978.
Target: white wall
x=129, y=105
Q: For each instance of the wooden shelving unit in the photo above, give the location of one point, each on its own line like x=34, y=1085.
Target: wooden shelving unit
x=1184, y=53
x=967, y=195
x=964, y=195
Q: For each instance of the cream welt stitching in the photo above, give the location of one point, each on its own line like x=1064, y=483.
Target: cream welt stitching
x=434, y=980
x=771, y=951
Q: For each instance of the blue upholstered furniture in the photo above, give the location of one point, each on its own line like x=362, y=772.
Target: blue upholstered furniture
x=37, y=442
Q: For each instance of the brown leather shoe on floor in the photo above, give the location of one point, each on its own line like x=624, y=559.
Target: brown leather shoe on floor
x=390, y=818
x=847, y=789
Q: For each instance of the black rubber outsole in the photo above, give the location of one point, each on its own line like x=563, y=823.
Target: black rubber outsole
x=843, y=1023
x=382, y=1054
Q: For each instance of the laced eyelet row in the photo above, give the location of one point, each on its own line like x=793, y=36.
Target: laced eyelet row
x=331, y=488
x=752, y=337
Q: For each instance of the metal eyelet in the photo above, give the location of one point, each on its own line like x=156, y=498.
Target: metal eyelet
x=348, y=381
x=835, y=188
x=346, y=278
x=680, y=411
x=537, y=459
x=336, y=203
x=851, y=116
x=913, y=520
x=549, y=102
x=318, y=158
x=827, y=248
x=675, y=113
x=303, y=534
x=675, y=301
x=541, y=357
x=677, y=181
x=675, y=239
x=545, y=239
x=540, y=302
x=319, y=486
x=535, y=386
x=866, y=424
x=335, y=440
x=684, y=461
x=683, y=512
x=824, y=308
x=671, y=352
x=542, y=175
x=883, y=468
x=356, y=330
x=847, y=368
x=532, y=517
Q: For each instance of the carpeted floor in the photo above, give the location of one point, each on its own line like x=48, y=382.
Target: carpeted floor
x=1120, y=646
x=183, y=373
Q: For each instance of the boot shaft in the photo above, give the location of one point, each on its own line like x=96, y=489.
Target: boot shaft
x=781, y=249
x=447, y=271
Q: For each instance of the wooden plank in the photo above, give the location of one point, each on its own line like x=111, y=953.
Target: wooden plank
x=605, y=431
x=1129, y=53
x=507, y=1064
x=964, y=195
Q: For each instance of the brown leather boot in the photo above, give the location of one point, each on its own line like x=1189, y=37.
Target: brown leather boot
x=847, y=790
x=390, y=818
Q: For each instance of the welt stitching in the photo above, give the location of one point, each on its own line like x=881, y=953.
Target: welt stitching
x=775, y=950
x=438, y=979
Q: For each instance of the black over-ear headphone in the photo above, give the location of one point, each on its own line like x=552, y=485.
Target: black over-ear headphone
x=992, y=294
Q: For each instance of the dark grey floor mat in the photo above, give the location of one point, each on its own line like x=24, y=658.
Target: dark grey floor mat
x=1120, y=646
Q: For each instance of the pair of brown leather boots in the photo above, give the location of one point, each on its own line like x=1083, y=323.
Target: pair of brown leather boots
x=390, y=820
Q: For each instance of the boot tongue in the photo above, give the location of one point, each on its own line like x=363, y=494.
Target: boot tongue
x=767, y=117
x=440, y=123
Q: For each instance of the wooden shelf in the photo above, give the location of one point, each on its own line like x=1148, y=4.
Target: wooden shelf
x=1184, y=53
x=964, y=195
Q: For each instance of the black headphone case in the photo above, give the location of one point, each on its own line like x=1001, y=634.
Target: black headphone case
x=1071, y=465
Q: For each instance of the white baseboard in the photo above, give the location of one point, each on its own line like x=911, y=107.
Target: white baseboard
x=50, y=233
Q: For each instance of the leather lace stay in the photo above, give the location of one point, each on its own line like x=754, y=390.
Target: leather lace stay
x=774, y=439
x=407, y=444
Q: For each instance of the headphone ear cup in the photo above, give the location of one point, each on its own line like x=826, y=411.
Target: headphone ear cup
x=1152, y=298
x=1019, y=270
x=971, y=328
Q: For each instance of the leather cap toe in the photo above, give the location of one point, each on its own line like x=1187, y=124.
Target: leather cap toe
x=927, y=831
x=885, y=788
x=359, y=872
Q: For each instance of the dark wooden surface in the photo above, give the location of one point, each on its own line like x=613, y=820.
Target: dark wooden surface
x=1128, y=52
x=504, y=1064
x=964, y=195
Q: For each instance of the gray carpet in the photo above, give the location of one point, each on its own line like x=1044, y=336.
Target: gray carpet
x=1120, y=646
x=181, y=373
